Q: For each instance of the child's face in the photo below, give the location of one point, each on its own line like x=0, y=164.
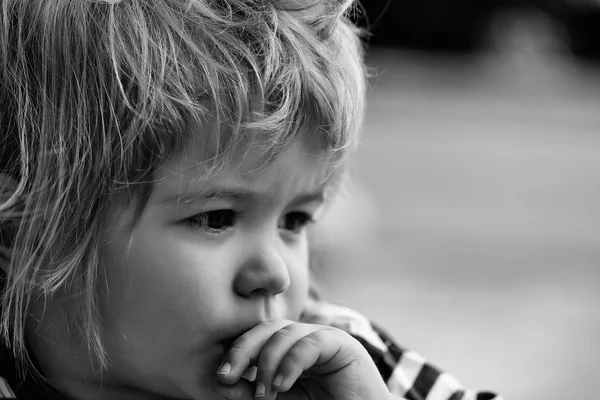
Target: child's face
x=191, y=276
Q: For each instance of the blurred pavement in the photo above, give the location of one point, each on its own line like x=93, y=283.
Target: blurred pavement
x=471, y=228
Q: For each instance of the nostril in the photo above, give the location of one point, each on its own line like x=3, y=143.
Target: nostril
x=263, y=274
x=268, y=292
x=259, y=293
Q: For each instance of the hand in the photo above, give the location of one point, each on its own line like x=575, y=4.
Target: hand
x=298, y=361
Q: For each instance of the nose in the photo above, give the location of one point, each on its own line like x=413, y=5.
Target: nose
x=264, y=272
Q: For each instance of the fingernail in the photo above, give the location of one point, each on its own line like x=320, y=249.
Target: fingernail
x=250, y=374
x=278, y=380
x=261, y=389
x=224, y=369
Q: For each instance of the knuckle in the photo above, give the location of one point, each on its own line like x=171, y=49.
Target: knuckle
x=283, y=333
x=273, y=346
x=294, y=357
x=267, y=326
x=267, y=356
x=237, y=353
x=239, y=344
x=335, y=334
x=309, y=340
x=236, y=348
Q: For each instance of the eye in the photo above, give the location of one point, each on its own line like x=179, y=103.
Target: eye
x=216, y=221
x=296, y=221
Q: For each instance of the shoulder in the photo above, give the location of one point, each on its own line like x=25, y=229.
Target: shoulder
x=406, y=372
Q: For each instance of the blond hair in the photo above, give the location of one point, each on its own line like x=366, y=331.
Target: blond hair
x=95, y=95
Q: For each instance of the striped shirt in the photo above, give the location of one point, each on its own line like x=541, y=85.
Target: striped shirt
x=406, y=373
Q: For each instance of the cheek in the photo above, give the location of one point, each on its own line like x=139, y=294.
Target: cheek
x=163, y=279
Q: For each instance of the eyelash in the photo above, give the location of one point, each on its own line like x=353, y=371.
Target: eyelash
x=202, y=221
x=305, y=220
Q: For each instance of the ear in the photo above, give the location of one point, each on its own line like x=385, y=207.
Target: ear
x=8, y=186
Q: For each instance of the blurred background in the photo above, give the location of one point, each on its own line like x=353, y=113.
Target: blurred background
x=471, y=227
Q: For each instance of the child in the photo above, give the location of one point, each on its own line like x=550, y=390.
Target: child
x=161, y=161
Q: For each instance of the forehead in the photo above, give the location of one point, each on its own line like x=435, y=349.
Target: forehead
x=302, y=166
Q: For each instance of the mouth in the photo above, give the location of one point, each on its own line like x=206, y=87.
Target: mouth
x=266, y=313
x=231, y=338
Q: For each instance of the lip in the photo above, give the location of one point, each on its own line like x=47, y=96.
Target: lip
x=264, y=313
x=226, y=344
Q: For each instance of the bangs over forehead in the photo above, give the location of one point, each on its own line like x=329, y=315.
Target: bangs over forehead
x=261, y=74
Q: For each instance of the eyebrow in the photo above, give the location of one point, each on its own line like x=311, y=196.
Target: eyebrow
x=237, y=194
x=190, y=196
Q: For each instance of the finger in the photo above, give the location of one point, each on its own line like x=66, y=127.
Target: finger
x=321, y=351
x=250, y=374
x=242, y=390
x=274, y=350
x=300, y=357
x=245, y=350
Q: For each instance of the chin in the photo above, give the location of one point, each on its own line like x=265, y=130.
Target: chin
x=194, y=384
x=173, y=384
x=199, y=391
